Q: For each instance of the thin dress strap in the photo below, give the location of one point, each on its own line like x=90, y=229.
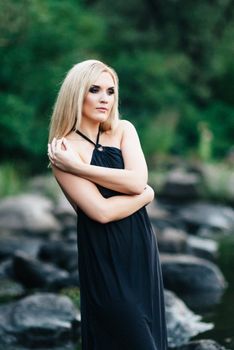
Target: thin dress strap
x=97, y=145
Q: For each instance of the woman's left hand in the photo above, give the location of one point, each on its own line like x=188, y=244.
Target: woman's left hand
x=62, y=155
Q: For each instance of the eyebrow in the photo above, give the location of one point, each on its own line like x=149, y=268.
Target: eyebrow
x=98, y=86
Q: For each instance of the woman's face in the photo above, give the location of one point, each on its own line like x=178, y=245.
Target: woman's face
x=99, y=99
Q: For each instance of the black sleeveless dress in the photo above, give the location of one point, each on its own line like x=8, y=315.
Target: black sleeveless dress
x=121, y=287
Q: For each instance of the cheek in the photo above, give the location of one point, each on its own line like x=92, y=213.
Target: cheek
x=112, y=100
x=88, y=103
x=89, y=100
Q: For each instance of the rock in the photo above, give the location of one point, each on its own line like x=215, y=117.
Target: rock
x=180, y=185
x=219, y=182
x=67, y=346
x=48, y=186
x=203, y=344
x=202, y=301
x=204, y=215
x=6, y=268
x=182, y=323
x=28, y=213
x=45, y=185
x=42, y=319
x=63, y=254
x=156, y=212
x=34, y=273
x=161, y=216
x=203, y=248
x=9, y=245
x=185, y=273
x=171, y=222
x=172, y=240
x=72, y=280
x=65, y=213
x=10, y=289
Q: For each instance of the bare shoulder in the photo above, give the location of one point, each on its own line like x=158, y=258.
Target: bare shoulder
x=126, y=129
x=125, y=124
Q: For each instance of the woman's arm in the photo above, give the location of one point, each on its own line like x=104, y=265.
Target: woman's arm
x=130, y=180
x=86, y=196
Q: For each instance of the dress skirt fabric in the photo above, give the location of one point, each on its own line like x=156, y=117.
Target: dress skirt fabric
x=122, y=300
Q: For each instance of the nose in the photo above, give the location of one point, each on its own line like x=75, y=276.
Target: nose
x=104, y=97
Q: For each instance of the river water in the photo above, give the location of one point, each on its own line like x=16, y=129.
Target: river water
x=222, y=314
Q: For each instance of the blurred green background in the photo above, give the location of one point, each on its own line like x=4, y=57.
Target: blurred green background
x=174, y=60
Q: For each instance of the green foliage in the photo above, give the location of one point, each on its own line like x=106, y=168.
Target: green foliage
x=220, y=117
x=205, y=142
x=11, y=179
x=159, y=134
x=16, y=123
x=218, y=182
x=151, y=81
x=46, y=39
x=174, y=60
x=73, y=293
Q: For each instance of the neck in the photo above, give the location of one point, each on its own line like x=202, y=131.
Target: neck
x=89, y=128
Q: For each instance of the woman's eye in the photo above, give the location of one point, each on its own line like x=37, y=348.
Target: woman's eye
x=93, y=89
x=110, y=91
x=96, y=89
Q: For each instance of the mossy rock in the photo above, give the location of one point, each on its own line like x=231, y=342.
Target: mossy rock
x=73, y=293
x=10, y=290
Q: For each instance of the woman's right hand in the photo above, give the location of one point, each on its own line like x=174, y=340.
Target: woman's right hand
x=62, y=155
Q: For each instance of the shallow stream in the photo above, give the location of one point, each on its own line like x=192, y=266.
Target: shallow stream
x=222, y=314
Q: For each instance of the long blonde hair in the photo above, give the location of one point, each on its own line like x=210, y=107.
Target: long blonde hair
x=67, y=111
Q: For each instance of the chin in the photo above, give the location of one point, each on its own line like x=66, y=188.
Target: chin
x=102, y=118
x=99, y=118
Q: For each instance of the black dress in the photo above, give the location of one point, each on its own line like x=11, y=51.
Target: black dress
x=121, y=287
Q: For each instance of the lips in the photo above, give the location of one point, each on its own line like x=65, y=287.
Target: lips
x=102, y=109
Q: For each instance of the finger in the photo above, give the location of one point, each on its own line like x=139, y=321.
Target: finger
x=51, y=160
x=59, y=145
x=65, y=143
x=50, y=154
x=63, y=146
x=59, y=142
x=53, y=145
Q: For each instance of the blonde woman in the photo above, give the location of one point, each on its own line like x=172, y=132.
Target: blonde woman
x=99, y=164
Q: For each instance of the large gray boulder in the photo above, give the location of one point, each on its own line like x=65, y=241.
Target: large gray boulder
x=201, y=216
x=33, y=273
x=45, y=185
x=28, y=213
x=60, y=252
x=161, y=217
x=189, y=274
x=202, y=247
x=48, y=186
x=42, y=319
x=182, y=323
x=181, y=185
x=11, y=244
x=171, y=240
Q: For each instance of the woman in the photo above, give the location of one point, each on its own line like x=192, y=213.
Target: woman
x=99, y=164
